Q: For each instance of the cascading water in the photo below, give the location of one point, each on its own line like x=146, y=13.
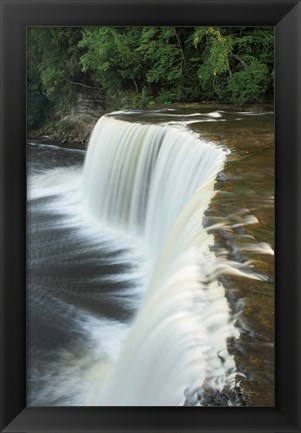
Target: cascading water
x=125, y=302
x=156, y=182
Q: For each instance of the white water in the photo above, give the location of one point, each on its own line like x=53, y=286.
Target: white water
x=122, y=268
x=156, y=183
x=138, y=207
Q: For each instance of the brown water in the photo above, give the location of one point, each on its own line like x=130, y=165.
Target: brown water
x=248, y=183
x=246, y=186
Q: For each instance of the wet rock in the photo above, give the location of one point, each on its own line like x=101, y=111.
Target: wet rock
x=212, y=398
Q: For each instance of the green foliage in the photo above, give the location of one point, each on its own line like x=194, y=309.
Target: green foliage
x=161, y=54
x=247, y=84
x=216, y=54
x=52, y=66
x=37, y=108
x=236, y=63
x=111, y=56
x=53, y=60
x=135, y=67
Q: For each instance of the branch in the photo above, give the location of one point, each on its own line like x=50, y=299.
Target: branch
x=80, y=84
x=239, y=59
x=228, y=67
x=179, y=43
x=136, y=85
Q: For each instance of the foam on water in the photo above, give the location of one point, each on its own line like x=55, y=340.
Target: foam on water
x=157, y=182
x=144, y=192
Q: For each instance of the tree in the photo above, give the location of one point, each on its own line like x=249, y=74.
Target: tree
x=236, y=63
x=139, y=66
x=110, y=55
x=53, y=59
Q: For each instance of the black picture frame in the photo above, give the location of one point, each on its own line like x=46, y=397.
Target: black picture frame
x=16, y=15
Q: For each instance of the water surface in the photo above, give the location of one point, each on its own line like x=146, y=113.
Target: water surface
x=86, y=286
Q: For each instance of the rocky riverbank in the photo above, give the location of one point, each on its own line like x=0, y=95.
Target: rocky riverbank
x=75, y=128
x=74, y=122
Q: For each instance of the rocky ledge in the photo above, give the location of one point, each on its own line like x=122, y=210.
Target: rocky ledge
x=75, y=128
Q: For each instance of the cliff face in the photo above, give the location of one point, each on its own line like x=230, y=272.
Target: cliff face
x=75, y=124
x=88, y=102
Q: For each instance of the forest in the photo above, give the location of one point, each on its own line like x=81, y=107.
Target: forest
x=144, y=67
x=150, y=216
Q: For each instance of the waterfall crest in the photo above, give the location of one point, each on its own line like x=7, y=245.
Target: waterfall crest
x=156, y=182
x=138, y=177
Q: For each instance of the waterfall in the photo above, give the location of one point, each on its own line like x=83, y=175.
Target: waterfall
x=138, y=178
x=155, y=183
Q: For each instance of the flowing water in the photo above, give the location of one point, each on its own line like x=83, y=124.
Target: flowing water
x=150, y=267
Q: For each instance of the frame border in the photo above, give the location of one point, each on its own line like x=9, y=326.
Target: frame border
x=16, y=15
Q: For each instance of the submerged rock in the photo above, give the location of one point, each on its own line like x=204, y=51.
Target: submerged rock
x=213, y=398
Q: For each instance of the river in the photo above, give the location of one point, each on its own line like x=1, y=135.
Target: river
x=99, y=252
